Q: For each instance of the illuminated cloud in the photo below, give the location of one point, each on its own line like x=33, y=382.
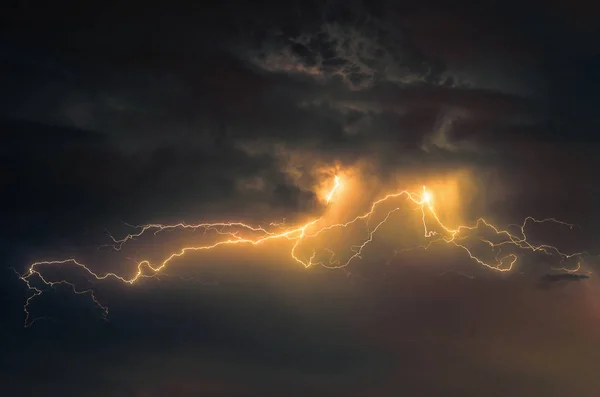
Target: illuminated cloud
x=112, y=117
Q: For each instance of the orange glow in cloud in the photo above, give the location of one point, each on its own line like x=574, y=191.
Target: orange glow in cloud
x=336, y=186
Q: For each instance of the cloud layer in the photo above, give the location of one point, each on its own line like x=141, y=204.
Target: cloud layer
x=131, y=113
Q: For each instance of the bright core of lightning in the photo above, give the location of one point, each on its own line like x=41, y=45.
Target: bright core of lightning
x=426, y=197
x=434, y=230
x=336, y=185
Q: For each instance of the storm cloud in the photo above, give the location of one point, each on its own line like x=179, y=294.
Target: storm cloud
x=142, y=112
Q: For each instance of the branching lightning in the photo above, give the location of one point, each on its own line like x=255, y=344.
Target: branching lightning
x=240, y=233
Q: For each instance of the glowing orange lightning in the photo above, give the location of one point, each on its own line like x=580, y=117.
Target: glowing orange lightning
x=433, y=229
x=336, y=185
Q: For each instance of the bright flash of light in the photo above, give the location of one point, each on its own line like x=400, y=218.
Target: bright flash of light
x=240, y=233
x=336, y=185
x=427, y=197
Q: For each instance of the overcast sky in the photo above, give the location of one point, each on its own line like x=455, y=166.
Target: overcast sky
x=144, y=112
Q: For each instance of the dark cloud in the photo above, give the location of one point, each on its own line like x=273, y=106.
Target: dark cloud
x=357, y=85
x=553, y=278
x=73, y=171
x=146, y=112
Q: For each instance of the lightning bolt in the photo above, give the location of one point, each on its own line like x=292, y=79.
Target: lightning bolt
x=336, y=185
x=240, y=233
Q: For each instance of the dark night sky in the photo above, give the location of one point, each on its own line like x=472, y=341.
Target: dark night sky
x=142, y=112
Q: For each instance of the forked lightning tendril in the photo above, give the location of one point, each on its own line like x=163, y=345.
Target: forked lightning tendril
x=240, y=233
